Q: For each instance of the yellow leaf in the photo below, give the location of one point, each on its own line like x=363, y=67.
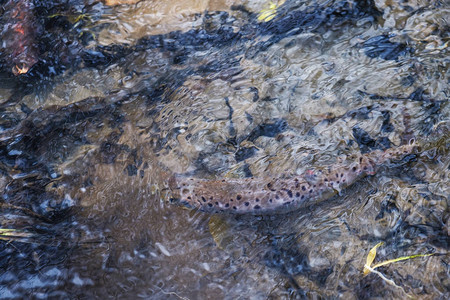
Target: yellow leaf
x=266, y=15
x=370, y=258
x=8, y=234
x=219, y=229
x=400, y=259
x=373, y=252
x=72, y=18
x=270, y=12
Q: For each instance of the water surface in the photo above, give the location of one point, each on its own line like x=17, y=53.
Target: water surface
x=207, y=90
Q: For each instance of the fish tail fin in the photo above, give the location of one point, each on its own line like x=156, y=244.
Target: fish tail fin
x=400, y=155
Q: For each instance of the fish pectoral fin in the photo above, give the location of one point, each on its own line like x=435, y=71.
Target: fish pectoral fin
x=337, y=189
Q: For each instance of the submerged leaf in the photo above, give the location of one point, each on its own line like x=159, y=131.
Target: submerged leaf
x=8, y=234
x=369, y=269
x=219, y=229
x=373, y=252
x=400, y=259
x=270, y=12
x=72, y=18
x=371, y=257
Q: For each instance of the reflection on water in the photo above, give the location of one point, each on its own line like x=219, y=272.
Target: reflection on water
x=90, y=136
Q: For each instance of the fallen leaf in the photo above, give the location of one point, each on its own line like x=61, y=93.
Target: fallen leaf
x=270, y=12
x=370, y=258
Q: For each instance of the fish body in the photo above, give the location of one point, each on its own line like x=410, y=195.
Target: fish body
x=273, y=195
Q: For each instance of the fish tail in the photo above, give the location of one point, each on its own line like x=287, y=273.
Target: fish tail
x=397, y=156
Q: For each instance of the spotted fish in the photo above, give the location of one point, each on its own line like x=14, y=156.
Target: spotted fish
x=273, y=195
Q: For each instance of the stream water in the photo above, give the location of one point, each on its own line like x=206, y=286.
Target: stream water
x=125, y=96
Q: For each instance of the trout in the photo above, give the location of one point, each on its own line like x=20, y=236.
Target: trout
x=272, y=195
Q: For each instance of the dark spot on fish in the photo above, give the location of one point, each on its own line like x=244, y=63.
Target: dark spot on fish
x=314, y=186
x=227, y=205
x=297, y=194
x=234, y=207
x=210, y=205
x=289, y=192
x=217, y=203
x=189, y=198
x=239, y=197
x=342, y=174
x=326, y=179
x=310, y=191
x=247, y=203
x=277, y=197
x=297, y=185
x=337, y=182
x=337, y=175
x=257, y=207
x=287, y=203
x=203, y=199
x=303, y=188
x=354, y=169
x=302, y=197
x=270, y=200
x=231, y=200
x=257, y=199
x=365, y=168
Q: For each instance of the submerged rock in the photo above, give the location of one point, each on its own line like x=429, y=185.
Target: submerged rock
x=381, y=46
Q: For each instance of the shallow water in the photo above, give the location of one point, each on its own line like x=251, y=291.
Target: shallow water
x=90, y=150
